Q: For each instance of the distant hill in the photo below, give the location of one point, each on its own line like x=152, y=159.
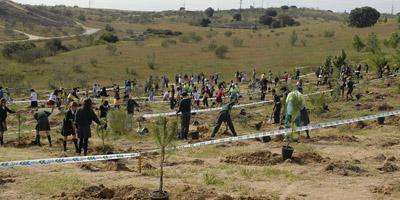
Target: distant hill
x=36, y=20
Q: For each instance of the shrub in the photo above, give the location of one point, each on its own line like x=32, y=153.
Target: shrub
x=394, y=40
x=287, y=20
x=266, y=20
x=103, y=134
x=161, y=32
x=271, y=12
x=358, y=45
x=112, y=49
x=55, y=46
x=109, y=37
x=119, y=122
x=237, y=17
x=363, y=17
x=211, y=179
x=190, y=37
x=109, y=28
x=329, y=34
x=93, y=62
x=221, y=51
x=211, y=34
x=275, y=24
x=319, y=103
x=13, y=48
x=285, y=7
x=82, y=17
x=228, y=33
x=237, y=42
x=205, y=22
x=151, y=60
x=167, y=42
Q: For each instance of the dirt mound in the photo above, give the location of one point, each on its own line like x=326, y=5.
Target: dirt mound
x=190, y=162
x=109, y=166
x=390, y=142
x=388, y=167
x=256, y=158
x=102, y=192
x=387, y=189
x=4, y=180
x=334, y=138
x=148, y=166
x=307, y=158
x=384, y=107
x=345, y=168
x=232, y=144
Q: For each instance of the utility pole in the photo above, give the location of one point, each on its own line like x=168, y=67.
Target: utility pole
x=392, y=7
x=262, y=3
x=241, y=2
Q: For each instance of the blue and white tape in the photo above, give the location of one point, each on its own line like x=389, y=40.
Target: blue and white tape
x=70, y=160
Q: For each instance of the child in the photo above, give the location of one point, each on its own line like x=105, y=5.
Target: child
x=196, y=97
x=3, y=117
x=52, y=100
x=68, y=126
x=43, y=125
x=34, y=99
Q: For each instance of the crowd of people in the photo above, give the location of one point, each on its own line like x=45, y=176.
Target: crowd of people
x=188, y=92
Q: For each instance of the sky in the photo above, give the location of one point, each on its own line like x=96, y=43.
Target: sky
x=158, y=5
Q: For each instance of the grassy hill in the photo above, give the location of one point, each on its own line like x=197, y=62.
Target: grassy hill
x=36, y=20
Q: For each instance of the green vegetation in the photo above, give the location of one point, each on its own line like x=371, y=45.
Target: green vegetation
x=357, y=43
x=363, y=17
x=119, y=122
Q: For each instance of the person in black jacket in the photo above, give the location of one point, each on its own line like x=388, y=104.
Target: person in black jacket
x=43, y=125
x=130, y=105
x=3, y=117
x=185, y=108
x=83, y=119
x=68, y=126
x=225, y=117
x=104, y=108
x=277, y=107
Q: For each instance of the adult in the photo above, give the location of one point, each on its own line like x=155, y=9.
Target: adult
x=83, y=119
x=130, y=105
x=104, y=108
x=4, y=110
x=295, y=102
x=184, y=108
x=350, y=87
x=68, y=126
x=225, y=117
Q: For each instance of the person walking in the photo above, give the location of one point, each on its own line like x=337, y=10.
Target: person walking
x=350, y=88
x=185, y=108
x=68, y=126
x=83, y=119
x=4, y=110
x=225, y=117
x=130, y=105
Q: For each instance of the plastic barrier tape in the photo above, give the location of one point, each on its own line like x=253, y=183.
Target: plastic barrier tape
x=69, y=160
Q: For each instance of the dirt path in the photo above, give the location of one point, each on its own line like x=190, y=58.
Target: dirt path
x=88, y=31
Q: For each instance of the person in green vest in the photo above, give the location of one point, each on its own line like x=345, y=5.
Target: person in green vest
x=234, y=96
x=294, y=104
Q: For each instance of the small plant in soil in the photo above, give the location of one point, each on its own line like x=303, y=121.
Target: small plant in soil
x=164, y=136
x=103, y=133
x=20, y=119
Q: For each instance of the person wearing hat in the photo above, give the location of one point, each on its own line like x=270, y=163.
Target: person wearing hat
x=225, y=117
x=83, y=119
x=185, y=106
x=68, y=126
x=4, y=110
x=43, y=125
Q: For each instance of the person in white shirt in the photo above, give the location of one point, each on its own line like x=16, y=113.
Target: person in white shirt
x=34, y=99
x=196, y=97
x=166, y=96
x=52, y=101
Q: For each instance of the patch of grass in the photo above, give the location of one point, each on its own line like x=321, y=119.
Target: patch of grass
x=279, y=173
x=54, y=183
x=212, y=179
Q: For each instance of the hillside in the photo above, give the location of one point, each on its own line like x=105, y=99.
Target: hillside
x=35, y=20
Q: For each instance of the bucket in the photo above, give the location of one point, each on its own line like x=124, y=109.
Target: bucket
x=287, y=152
x=266, y=139
x=195, y=135
x=159, y=195
x=381, y=120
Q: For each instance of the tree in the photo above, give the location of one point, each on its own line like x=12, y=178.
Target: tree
x=340, y=60
x=221, y=51
x=209, y=12
x=357, y=43
x=287, y=20
x=363, y=17
x=293, y=38
x=164, y=136
x=275, y=24
x=271, y=12
x=55, y=45
x=103, y=134
x=285, y=7
x=82, y=17
x=237, y=17
x=205, y=22
x=372, y=43
x=266, y=20
x=380, y=60
x=109, y=37
x=394, y=40
x=396, y=58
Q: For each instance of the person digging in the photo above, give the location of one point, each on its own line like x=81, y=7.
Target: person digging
x=295, y=104
x=224, y=117
x=43, y=125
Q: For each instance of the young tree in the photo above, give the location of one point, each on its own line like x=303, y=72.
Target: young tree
x=340, y=60
x=372, y=43
x=357, y=43
x=380, y=61
x=164, y=136
x=293, y=38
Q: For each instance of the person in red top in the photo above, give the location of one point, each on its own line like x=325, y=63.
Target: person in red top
x=286, y=77
x=220, y=94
